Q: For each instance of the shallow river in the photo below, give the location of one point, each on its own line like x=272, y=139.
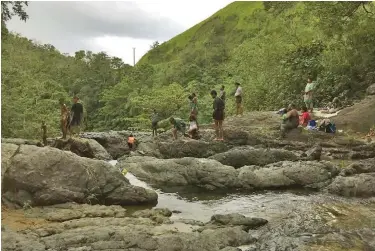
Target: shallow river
x=271, y=205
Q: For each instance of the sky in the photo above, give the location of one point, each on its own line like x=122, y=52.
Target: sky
x=113, y=27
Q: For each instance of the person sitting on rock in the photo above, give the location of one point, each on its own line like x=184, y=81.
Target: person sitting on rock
x=290, y=120
x=178, y=125
x=305, y=117
x=131, y=141
x=193, y=128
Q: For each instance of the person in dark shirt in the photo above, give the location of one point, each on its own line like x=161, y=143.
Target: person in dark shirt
x=76, y=116
x=218, y=115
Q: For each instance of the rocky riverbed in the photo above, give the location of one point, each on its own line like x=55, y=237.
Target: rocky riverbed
x=312, y=191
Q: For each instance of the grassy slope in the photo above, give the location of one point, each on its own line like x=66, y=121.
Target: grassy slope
x=236, y=27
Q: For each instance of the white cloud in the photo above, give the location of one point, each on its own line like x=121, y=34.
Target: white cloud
x=114, y=27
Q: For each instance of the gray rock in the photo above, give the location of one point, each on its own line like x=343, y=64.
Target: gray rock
x=48, y=176
x=235, y=219
x=211, y=174
x=88, y=148
x=115, y=142
x=181, y=172
x=314, y=153
x=18, y=141
x=239, y=157
x=371, y=90
x=310, y=174
x=11, y=240
x=360, y=185
x=182, y=148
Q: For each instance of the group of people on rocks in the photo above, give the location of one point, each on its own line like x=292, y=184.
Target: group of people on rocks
x=292, y=119
x=218, y=114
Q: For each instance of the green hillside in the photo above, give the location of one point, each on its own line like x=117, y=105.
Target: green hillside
x=230, y=26
x=270, y=47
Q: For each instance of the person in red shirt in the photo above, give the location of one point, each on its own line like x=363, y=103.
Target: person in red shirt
x=304, y=117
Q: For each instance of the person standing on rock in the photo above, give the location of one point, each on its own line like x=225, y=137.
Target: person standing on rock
x=222, y=93
x=194, y=107
x=64, y=118
x=238, y=96
x=154, y=123
x=308, y=95
x=178, y=125
x=131, y=141
x=290, y=120
x=218, y=115
x=76, y=116
x=44, y=133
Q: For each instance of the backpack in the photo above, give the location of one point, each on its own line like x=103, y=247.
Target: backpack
x=329, y=127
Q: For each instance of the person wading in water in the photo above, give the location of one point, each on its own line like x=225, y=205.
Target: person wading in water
x=64, y=118
x=218, y=115
x=76, y=116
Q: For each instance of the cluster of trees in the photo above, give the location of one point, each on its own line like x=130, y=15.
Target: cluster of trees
x=269, y=47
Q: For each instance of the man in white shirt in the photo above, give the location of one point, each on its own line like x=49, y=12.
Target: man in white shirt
x=238, y=96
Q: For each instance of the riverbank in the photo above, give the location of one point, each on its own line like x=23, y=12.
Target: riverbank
x=310, y=191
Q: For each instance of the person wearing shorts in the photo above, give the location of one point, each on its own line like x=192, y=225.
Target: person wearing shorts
x=308, y=95
x=238, y=96
x=154, y=123
x=218, y=115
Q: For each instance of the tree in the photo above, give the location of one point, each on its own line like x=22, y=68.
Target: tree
x=154, y=45
x=10, y=9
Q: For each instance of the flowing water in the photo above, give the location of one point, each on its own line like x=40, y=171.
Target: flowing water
x=271, y=205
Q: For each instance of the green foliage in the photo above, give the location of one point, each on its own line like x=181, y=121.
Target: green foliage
x=270, y=47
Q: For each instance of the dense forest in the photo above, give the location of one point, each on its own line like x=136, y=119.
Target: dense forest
x=270, y=47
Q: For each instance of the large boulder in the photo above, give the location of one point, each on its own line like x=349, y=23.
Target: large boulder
x=183, y=147
x=359, y=118
x=309, y=174
x=115, y=142
x=359, y=185
x=46, y=176
x=88, y=148
x=244, y=156
x=181, y=172
x=211, y=174
x=371, y=90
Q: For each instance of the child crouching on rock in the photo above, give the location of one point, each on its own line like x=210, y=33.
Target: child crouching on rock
x=193, y=128
x=131, y=141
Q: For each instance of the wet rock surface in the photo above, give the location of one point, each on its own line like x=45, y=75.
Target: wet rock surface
x=46, y=176
x=211, y=174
